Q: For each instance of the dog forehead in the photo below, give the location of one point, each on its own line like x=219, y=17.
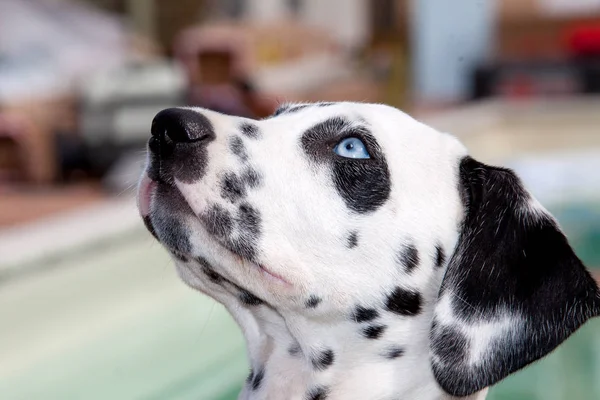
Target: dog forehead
x=299, y=117
x=405, y=141
x=388, y=125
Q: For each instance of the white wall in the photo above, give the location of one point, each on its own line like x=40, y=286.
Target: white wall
x=449, y=37
x=347, y=20
x=266, y=10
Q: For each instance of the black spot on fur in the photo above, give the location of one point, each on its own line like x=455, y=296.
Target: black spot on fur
x=248, y=298
x=173, y=234
x=247, y=221
x=394, y=352
x=364, y=184
x=352, y=240
x=236, y=145
x=294, y=349
x=242, y=247
x=232, y=187
x=257, y=379
x=323, y=360
x=434, y=327
x=280, y=110
x=250, y=376
x=250, y=130
x=289, y=109
x=217, y=221
x=373, y=331
x=180, y=256
x=251, y=178
x=313, y=301
x=208, y=270
x=244, y=295
x=439, y=256
x=456, y=345
x=296, y=108
x=362, y=314
x=167, y=222
x=318, y=393
x=404, y=302
x=409, y=257
x=149, y=226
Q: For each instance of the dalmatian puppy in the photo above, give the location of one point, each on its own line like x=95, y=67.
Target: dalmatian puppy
x=363, y=254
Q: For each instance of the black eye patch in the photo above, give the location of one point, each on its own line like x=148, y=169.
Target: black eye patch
x=364, y=184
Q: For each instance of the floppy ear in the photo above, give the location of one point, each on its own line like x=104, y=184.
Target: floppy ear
x=513, y=289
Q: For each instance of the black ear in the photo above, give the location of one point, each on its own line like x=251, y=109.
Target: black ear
x=513, y=289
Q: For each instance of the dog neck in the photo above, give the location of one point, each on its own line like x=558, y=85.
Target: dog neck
x=294, y=358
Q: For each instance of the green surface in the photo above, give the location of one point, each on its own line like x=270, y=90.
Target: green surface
x=116, y=323
x=572, y=372
x=581, y=224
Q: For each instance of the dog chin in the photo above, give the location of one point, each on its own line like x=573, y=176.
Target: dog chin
x=264, y=271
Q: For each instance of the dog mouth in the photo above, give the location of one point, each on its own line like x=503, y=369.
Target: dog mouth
x=146, y=190
x=146, y=201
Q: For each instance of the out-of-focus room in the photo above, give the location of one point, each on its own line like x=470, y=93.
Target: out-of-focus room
x=91, y=306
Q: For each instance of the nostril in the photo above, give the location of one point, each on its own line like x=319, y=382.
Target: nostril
x=154, y=144
x=182, y=125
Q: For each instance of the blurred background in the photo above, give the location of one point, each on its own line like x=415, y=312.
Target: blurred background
x=90, y=306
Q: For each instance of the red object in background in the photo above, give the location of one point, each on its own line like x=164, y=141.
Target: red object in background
x=517, y=87
x=583, y=40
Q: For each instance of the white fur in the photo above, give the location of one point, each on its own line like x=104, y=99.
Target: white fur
x=304, y=228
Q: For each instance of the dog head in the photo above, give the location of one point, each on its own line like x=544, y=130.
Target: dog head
x=338, y=211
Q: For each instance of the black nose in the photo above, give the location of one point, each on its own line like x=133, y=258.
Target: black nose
x=181, y=125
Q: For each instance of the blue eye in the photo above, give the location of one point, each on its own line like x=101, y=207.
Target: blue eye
x=351, y=148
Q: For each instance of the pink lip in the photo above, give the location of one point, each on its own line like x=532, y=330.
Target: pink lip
x=270, y=275
x=145, y=191
x=264, y=271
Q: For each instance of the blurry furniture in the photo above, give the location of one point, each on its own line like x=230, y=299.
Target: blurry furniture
x=536, y=78
x=31, y=126
x=117, y=107
x=535, y=29
x=387, y=53
x=221, y=89
x=545, y=48
x=268, y=63
x=448, y=39
x=170, y=19
x=41, y=68
x=12, y=149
